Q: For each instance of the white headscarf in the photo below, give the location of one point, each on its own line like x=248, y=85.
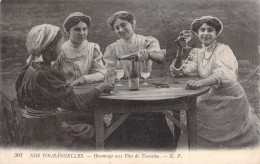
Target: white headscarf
x=38, y=39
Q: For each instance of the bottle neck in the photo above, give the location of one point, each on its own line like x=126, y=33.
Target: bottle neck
x=133, y=63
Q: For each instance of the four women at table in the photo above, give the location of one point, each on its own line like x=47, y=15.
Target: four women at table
x=225, y=118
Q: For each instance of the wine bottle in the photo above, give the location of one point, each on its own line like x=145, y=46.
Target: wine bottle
x=133, y=78
x=128, y=56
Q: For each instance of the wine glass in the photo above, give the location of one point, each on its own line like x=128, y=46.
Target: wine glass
x=110, y=78
x=145, y=73
x=186, y=36
x=119, y=74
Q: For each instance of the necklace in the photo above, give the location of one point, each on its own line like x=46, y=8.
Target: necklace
x=207, y=59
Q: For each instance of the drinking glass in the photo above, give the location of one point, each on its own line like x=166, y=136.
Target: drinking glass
x=110, y=78
x=119, y=74
x=145, y=73
x=187, y=38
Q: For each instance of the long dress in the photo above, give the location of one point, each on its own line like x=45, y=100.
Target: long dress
x=140, y=130
x=84, y=60
x=225, y=118
x=41, y=91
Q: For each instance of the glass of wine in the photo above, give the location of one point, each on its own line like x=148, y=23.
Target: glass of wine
x=187, y=36
x=119, y=74
x=145, y=73
x=110, y=78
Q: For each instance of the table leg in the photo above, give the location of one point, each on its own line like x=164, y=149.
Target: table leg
x=192, y=123
x=99, y=129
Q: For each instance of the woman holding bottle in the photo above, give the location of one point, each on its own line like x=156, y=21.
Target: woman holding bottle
x=123, y=24
x=153, y=126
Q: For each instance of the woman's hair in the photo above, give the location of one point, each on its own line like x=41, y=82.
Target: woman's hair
x=121, y=15
x=211, y=22
x=53, y=43
x=75, y=20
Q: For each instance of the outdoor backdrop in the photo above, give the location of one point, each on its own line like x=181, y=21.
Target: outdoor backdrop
x=163, y=19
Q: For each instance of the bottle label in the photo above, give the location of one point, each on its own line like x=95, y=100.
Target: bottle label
x=133, y=84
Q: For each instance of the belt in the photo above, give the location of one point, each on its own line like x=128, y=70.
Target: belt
x=32, y=113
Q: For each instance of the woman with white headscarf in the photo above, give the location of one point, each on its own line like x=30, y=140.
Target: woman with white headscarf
x=41, y=90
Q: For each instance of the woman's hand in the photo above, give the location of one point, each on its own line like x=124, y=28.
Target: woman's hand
x=172, y=68
x=181, y=41
x=105, y=87
x=80, y=80
x=143, y=55
x=193, y=84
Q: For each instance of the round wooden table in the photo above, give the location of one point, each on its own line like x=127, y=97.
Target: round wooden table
x=149, y=98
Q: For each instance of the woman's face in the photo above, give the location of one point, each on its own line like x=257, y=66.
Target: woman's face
x=123, y=29
x=79, y=32
x=207, y=34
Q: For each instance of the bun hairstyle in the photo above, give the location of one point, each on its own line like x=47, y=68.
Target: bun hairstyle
x=124, y=15
x=212, y=21
x=75, y=18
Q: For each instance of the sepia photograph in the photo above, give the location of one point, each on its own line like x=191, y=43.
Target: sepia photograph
x=130, y=81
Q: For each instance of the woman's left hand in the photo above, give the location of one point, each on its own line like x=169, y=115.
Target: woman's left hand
x=193, y=84
x=80, y=80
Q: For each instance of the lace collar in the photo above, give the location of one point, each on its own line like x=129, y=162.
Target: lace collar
x=123, y=44
x=130, y=48
x=72, y=44
x=210, y=47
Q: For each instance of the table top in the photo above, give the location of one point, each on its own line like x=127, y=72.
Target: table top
x=150, y=92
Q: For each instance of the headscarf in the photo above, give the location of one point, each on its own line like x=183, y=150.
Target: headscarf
x=207, y=17
x=76, y=14
x=38, y=39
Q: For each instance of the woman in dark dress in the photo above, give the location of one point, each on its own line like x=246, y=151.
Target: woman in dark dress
x=41, y=91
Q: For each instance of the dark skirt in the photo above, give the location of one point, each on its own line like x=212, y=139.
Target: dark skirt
x=142, y=131
x=69, y=129
x=138, y=131
x=40, y=132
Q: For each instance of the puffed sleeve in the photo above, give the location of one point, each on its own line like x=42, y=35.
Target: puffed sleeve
x=98, y=69
x=152, y=44
x=189, y=65
x=110, y=59
x=225, y=66
x=54, y=91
